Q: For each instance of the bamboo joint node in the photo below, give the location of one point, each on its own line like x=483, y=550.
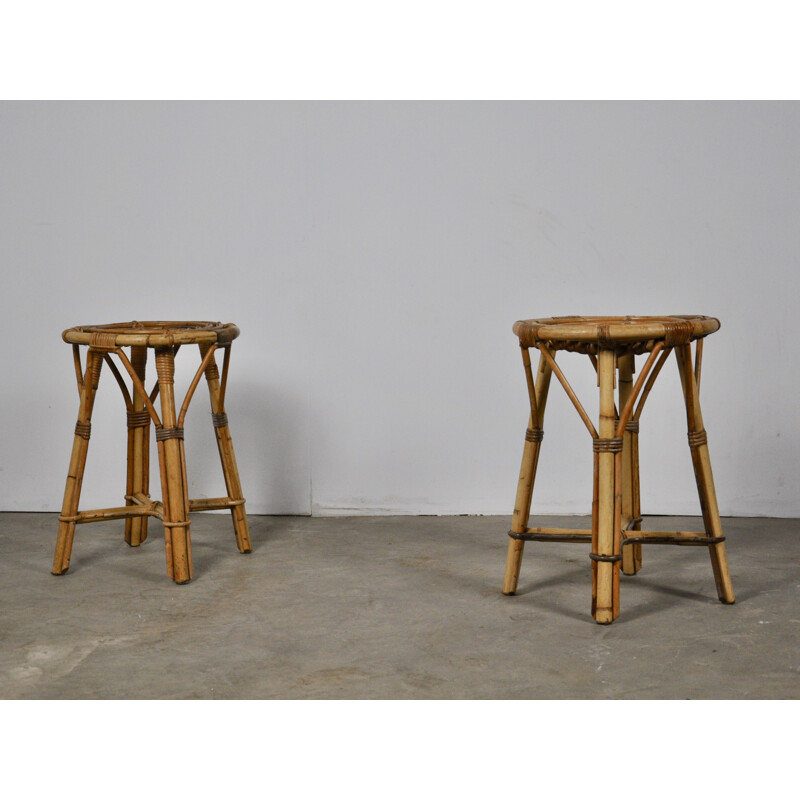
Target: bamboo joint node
x=534, y=435
x=168, y=433
x=607, y=445
x=697, y=438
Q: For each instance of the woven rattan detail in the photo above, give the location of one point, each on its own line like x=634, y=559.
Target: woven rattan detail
x=677, y=333
x=632, y=426
x=607, y=445
x=220, y=420
x=696, y=438
x=534, y=435
x=106, y=342
x=623, y=334
x=83, y=429
x=138, y=419
x=168, y=433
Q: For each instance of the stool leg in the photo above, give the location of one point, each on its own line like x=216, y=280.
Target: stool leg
x=703, y=476
x=77, y=464
x=632, y=555
x=527, y=473
x=138, y=453
x=605, y=594
x=172, y=463
x=225, y=446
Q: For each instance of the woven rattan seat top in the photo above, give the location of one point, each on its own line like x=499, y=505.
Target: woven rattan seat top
x=586, y=334
x=152, y=334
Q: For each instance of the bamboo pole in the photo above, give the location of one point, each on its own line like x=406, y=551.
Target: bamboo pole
x=530, y=461
x=77, y=464
x=703, y=475
x=173, y=481
x=230, y=471
x=138, y=451
x=631, y=556
x=607, y=572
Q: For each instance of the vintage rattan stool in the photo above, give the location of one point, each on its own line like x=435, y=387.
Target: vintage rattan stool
x=166, y=338
x=616, y=536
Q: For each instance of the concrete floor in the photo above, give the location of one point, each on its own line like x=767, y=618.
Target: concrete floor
x=391, y=607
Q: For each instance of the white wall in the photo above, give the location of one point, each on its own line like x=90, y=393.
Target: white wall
x=374, y=256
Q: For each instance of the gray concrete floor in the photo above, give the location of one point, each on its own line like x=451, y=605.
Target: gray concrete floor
x=391, y=607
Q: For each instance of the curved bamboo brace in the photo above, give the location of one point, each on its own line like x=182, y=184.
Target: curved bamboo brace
x=125, y=394
x=76, y=357
x=698, y=361
x=139, y=386
x=568, y=389
x=664, y=356
x=637, y=387
x=224, y=381
x=155, y=391
x=526, y=361
x=193, y=385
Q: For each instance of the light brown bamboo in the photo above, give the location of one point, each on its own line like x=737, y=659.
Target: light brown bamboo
x=631, y=556
x=132, y=512
x=138, y=478
x=607, y=572
x=527, y=473
x=167, y=338
x=176, y=511
x=595, y=526
x=568, y=389
x=227, y=457
x=77, y=465
x=698, y=362
x=76, y=358
x=650, y=381
x=704, y=477
x=213, y=503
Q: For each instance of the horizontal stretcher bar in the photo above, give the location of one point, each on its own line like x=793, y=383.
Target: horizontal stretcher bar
x=144, y=507
x=642, y=537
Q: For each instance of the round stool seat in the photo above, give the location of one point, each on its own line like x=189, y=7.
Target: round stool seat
x=152, y=334
x=636, y=334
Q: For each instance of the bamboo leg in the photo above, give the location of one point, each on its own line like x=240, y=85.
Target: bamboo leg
x=173, y=474
x=77, y=464
x=225, y=446
x=603, y=534
x=703, y=476
x=631, y=556
x=138, y=452
x=527, y=473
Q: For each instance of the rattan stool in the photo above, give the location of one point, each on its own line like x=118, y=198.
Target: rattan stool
x=165, y=338
x=616, y=536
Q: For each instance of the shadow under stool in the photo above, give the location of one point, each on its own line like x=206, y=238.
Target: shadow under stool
x=165, y=339
x=616, y=537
